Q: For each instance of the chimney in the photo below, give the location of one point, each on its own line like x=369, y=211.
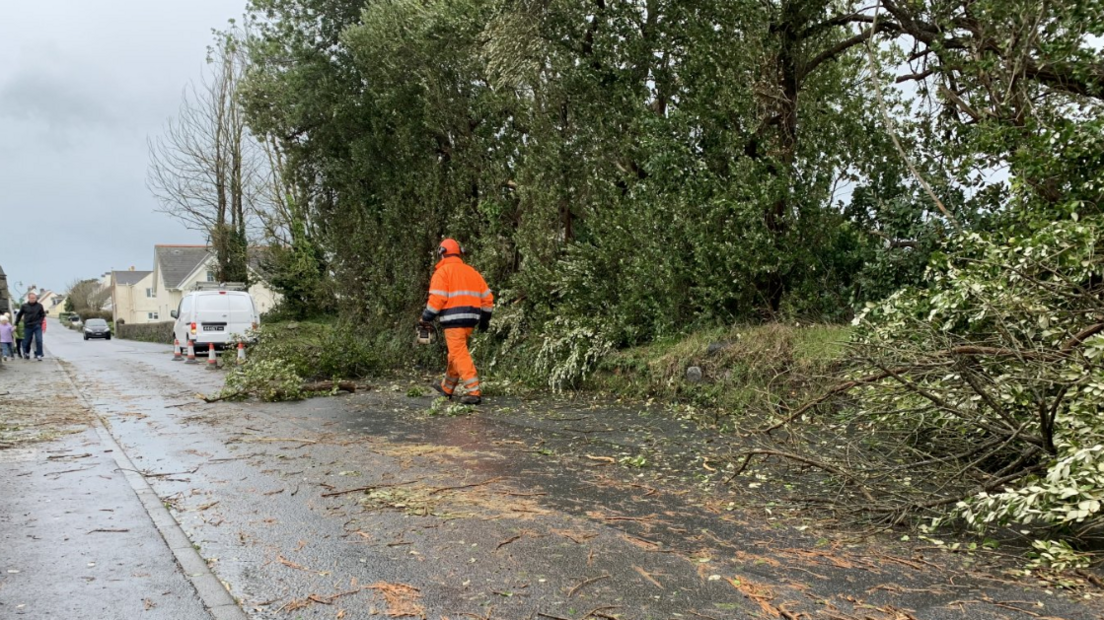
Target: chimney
x=132, y=267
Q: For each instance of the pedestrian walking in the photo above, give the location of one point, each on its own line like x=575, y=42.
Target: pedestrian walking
x=460, y=299
x=18, y=339
x=33, y=315
x=7, y=337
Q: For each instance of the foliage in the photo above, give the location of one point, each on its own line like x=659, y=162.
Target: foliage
x=648, y=172
x=442, y=407
x=995, y=373
x=570, y=350
x=326, y=350
x=271, y=380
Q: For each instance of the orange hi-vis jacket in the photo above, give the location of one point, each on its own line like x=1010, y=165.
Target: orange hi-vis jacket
x=458, y=295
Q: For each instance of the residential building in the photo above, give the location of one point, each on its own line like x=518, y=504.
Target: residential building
x=56, y=307
x=132, y=297
x=177, y=268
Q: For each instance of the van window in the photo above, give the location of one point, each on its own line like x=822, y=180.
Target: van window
x=211, y=302
x=241, y=303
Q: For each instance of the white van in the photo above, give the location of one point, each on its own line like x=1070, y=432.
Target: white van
x=214, y=316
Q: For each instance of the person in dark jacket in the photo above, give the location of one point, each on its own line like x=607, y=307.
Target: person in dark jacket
x=33, y=315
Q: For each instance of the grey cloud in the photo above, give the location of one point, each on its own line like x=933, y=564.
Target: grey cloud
x=53, y=100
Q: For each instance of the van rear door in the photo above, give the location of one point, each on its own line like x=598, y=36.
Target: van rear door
x=212, y=317
x=242, y=313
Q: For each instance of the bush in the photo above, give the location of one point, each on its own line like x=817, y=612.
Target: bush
x=106, y=315
x=146, y=332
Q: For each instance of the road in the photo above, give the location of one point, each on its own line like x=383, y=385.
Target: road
x=366, y=506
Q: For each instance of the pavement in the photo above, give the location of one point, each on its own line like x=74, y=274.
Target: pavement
x=150, y=503
x=77, y=538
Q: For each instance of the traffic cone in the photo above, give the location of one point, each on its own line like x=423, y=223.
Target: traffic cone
x=241, y=352
x=212, y=358
x=176, y=351
x=191, y=353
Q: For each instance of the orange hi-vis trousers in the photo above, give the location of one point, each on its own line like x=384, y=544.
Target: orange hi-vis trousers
x=461, y=368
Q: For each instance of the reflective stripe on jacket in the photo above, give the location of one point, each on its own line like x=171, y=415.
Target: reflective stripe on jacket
x=458, y=295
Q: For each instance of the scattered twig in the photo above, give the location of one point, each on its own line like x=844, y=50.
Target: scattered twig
x=597, y=612
x=68, y=471
x=367, y=488
x=107, y=531
x=466, y=486
x=645, y=574
x=814, y=463
x=508, y=541
x=584, y=583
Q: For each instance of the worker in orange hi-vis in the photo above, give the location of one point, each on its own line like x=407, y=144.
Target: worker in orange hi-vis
x=460, y=299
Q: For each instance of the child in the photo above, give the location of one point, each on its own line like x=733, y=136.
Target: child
x=7, y=337
x=19, y=339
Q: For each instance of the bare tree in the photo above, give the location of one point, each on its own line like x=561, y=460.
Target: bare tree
x=86, y=296
x=205, y=168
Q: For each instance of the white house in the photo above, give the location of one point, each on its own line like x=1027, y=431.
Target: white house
x=132, y=297
x=177, y=268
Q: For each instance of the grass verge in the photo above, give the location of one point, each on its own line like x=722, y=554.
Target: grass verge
x=744, y=370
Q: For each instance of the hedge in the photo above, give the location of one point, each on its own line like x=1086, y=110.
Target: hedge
x=147, y=332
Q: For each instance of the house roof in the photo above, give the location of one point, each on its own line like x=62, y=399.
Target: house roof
x=177, y=261
x=129, y=278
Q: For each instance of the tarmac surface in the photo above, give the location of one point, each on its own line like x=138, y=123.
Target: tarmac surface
x=379, y=504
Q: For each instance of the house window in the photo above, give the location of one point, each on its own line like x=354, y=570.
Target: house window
x=152, y=316
x=149, y=292
x=210, y=276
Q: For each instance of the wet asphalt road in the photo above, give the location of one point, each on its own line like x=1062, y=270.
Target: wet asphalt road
x=75, y=541
x=364, y=506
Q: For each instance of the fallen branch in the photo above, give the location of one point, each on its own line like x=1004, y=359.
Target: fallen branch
x=326, y=386
x=314, y=386
x=808, y=461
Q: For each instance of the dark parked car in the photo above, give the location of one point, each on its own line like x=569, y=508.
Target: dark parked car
x=97, y=328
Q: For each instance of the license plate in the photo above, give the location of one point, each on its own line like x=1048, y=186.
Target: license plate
x=213, y=328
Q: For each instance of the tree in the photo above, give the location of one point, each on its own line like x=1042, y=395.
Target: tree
x=205, y=168
x=86, y=296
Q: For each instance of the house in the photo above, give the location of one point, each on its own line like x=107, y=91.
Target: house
x=177, y=269
x=46, y=298
x=132, y=297
x=56, y=306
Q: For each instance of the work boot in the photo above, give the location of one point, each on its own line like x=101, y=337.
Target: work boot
x=442, y=392
x=468, y=399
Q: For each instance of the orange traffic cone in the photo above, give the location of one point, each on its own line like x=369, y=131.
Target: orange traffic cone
x=191, y=353
x=176, y=351
x=241, y=352
x=212, y=358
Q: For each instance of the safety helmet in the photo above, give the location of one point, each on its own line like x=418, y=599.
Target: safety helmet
x=449, y=247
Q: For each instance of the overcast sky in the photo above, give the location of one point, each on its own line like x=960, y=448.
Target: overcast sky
x=83, y=83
